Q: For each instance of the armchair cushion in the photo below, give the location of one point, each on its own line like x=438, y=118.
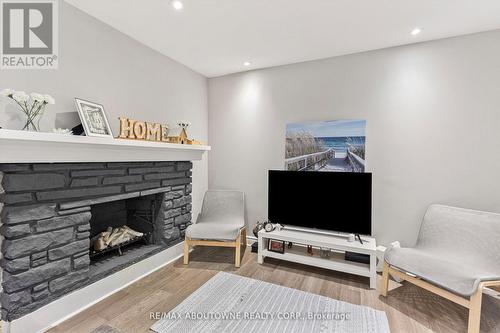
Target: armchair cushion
x=456, y=249
x=213, y=231
x=221, y=218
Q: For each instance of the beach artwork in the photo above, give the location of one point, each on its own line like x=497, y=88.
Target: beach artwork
x=337, y=145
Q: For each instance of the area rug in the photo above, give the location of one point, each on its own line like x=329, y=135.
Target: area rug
x=231, y=303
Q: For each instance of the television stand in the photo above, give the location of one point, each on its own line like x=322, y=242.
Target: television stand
x=335, y=261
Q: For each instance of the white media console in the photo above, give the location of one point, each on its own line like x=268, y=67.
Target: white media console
x=335, y=261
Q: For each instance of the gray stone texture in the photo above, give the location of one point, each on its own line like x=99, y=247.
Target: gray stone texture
x=142, y=171
x=69, y=249
x=176, y=181
x=173, y=195
x=155, y=191
x=63, y=221
x=67, y=281
x=19, y=214
x=39, y=255
x=82, y=235
x=81, y=262
x=167, y=204
x=38, y=262
x=15, y=230
x=91, y=173
x=12, y=283
x=66, y=166
x=77, y=193
x=171, y=213
x=172, y=234
x=142, y=186
x=20, y=247
x=39, y=295
x=182, y=201
x=14, y=167
x=121, y=180
x=27, y=182
x=184, y=166
x=175, y=175
x=16, y=198
x=98, y=200
x=41, y=286
x=45, y=210
x=15, y=300
x=17, y=265
x=80, y=182
x=182, y=219
x=83, y=227
x=73, y=211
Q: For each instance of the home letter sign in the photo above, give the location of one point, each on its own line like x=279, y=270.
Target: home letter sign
x=140, y=130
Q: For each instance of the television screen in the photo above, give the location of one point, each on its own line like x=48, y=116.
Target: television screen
x=333, y=201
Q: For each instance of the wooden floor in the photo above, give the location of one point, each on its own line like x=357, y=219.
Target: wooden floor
x=409, y=309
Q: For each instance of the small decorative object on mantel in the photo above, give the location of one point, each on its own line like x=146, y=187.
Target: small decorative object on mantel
x=142, y=130
x=32, y=105
x=64, y=131
x=179, y=134
x=93, y=118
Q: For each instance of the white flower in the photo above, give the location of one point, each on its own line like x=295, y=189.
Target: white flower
x=20, y=96
x=37, y=97
x=7, y=92
x=49, y=99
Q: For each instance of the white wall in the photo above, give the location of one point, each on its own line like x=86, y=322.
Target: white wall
x=100, y=64
x=433, y=125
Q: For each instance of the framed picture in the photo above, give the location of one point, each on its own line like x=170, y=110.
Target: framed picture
x=335, y=145
x=276, y=246
x=93, y=118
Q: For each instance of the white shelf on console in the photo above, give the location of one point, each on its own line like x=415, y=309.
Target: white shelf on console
x=33, y=147
x=336, y=260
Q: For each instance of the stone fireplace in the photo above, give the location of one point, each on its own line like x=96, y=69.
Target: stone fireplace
x=52, y=213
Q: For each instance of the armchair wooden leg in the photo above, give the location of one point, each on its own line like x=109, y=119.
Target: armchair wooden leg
x=186, y=251
x=475, y=310
x=384, y=284
x=244, y=236
x=237, y=254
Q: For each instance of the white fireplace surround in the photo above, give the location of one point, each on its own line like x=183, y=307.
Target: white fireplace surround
x=36, y=147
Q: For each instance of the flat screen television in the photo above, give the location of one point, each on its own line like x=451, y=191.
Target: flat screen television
x=331, y=201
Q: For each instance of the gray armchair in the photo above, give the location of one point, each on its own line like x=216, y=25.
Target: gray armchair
x=220, y=223
x=457, y=255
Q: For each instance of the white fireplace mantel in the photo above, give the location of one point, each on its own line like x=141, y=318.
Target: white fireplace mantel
x=37, y=147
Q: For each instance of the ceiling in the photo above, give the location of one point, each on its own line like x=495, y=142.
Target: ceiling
x=215, y=37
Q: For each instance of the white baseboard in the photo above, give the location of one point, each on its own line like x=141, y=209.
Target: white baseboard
x=251, y=240
x=69, y=305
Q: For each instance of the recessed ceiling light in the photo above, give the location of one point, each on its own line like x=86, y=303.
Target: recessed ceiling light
x=177, y=4
x=247, y=63
x=416, y=31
